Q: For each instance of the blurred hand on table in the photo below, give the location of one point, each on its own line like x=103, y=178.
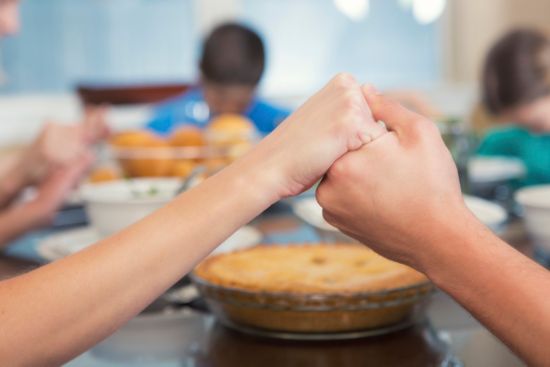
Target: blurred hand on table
x=58, y=144
x=53, y=163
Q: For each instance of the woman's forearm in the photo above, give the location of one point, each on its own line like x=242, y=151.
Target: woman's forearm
x=62, y=309
x=502, y=288
x=77, y=301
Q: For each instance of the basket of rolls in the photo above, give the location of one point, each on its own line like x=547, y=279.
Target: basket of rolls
x=142, y=153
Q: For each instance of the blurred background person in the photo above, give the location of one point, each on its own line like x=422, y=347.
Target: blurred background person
x=52, y=164
x=516, y=90
x=231, y=67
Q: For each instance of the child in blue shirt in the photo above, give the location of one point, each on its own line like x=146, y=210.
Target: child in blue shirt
x=231, y=66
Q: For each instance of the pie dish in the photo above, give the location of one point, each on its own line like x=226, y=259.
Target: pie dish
x=314, y=288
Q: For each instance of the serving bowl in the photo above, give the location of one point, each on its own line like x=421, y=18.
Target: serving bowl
x=308, y=210
x=142, y=153
x=494, y=170
x=174, y=161
x=311, y=291
x=316, y=316
x=535, y=202
x=114, y=205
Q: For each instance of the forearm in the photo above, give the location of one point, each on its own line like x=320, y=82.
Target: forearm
x=79, y=300
x=18, y=220
x=502, y=288
x=14, y=178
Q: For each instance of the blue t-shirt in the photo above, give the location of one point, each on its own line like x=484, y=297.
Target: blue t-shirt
x=190, y=108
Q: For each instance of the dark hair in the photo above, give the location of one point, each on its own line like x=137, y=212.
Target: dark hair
x=516, y=70
x=233, y=54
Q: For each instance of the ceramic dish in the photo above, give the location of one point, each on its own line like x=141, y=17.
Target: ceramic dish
x=308, y=210
x=312, y=291
x=69, y=242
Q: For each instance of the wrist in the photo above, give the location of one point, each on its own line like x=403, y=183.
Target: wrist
x=452, y=245
x=38, y=214
x=15, y=178
x=261, y=174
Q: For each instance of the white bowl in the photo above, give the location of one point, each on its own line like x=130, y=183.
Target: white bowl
x=113, y=206
x=535, y=202
x=487, y=170
x=490, y=214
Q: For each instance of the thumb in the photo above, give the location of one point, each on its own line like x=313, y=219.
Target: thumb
x=396, y=117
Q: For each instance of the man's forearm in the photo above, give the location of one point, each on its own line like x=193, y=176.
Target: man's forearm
x=502, y=288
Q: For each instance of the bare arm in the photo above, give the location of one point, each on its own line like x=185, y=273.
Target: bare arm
x=502, y=288
x=40, y=211
x=56, y=146
x=14, y=178
x=401, y=196
x=79, y=300
x=56, y=312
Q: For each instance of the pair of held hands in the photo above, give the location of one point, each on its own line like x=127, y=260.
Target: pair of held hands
x=391, y=189
x=57, y=158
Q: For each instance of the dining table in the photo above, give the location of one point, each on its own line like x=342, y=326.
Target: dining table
x=191, y=336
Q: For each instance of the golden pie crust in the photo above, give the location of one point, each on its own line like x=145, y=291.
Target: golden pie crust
x=307, y=269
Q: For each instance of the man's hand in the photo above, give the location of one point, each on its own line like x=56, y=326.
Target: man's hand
x=397, y=190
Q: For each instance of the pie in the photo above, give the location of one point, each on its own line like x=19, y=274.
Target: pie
x=311, y=289
x=308, y=269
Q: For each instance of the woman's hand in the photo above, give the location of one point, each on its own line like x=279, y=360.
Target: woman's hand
x=396, y=193
x=332, y=122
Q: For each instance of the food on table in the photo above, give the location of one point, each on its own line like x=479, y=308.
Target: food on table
x=310, y=288
x=230, y=129
x=144, y=161
x=187, y=136
x=321, y=269
x=104, y=174
x=142, y=153
x=137, y=139
x=183, y=168
x=215, y=164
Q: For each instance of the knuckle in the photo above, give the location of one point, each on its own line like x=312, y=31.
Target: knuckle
x=322, y=194
x=341, y=168
x=350, y=101
x=424, y=128
x=418, y=126
x=328, y=217
x=343, y=80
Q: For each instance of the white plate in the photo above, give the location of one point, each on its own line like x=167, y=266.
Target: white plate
x=66, y=243
x=246, y=236
x=69, y=242
x=490, y=214
x=311, y=212
x=494, y=169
